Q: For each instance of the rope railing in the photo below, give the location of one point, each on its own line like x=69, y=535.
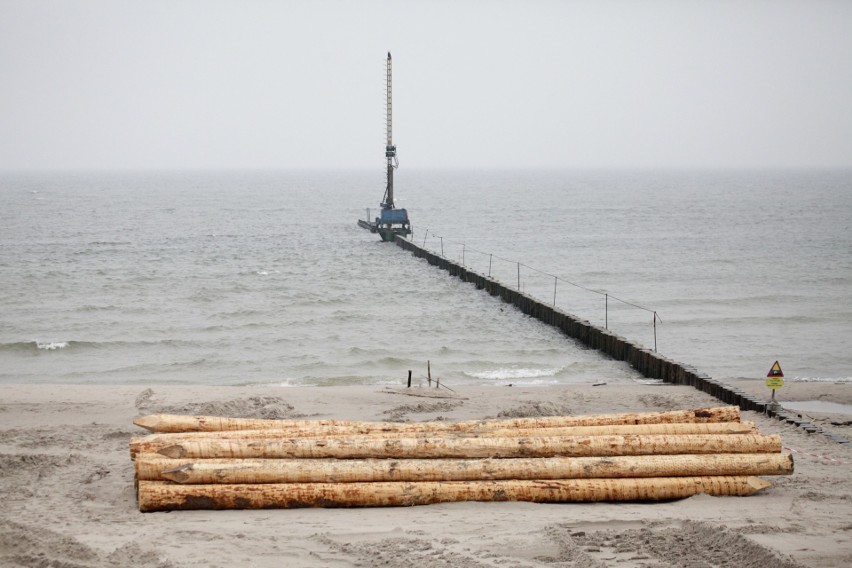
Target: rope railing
x=466, y=250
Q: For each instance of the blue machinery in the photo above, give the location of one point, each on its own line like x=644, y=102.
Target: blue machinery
x=392, y=221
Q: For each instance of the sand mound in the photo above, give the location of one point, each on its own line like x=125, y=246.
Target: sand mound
x=533, y=409
x=37, y=547
x=21, y=474
x=398, y=413
x=687, y=543
x=267, y=407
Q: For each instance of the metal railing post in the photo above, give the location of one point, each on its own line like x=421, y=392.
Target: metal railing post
x=655, y=332
x=656, y=316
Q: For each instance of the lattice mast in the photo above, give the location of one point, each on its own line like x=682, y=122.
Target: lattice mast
x=390, y=149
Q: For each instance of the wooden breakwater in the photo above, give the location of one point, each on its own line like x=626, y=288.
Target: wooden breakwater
x=646, y=361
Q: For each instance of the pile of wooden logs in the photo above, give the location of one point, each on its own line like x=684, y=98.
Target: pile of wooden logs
x=203, y=462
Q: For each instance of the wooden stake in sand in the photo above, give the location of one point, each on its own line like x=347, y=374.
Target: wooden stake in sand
x=164, y=496
x=177, y=423
x=445, y=447
x=337, y=471
x=155, y=442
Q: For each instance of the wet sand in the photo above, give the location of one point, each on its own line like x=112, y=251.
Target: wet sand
x=66, y=483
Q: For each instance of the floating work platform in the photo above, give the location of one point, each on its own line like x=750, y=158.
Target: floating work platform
x=392, y=222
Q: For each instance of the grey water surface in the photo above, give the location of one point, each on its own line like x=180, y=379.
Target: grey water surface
x=264, y=277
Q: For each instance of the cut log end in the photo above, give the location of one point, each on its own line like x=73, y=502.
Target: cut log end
x=175, y=451
x=150, y=422
x=757, y=484
x=180, y=474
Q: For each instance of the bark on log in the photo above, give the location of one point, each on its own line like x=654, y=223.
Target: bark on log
x=340, y=471
x=443, y=447
x=165, y=496
x=177, y=423
x=155, y=442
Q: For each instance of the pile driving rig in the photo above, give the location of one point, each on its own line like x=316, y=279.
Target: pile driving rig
x=392, y=221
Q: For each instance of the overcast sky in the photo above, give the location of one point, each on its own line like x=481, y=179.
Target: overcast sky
x=276, y=84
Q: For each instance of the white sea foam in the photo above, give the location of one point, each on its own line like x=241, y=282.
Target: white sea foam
x=821, y=379
x=504, y=373
x=650, y=381
x=51, y=345
x=313, y=382
x=818, y=406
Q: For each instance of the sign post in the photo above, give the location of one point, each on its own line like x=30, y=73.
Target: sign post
x=774, y=380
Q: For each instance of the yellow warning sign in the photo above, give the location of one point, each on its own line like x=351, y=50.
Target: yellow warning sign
x=774, y=382
x=775, y=371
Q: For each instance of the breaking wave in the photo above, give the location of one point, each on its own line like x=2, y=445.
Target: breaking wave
x=513, y=373
x=51, y=345
x=36, y=346
x=821, y=379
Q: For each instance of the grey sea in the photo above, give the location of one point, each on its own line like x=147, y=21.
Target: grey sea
x=234, y=278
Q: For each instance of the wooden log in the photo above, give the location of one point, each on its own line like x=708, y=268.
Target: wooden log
x=155, y=442
x=338, y=471
x=442, y=447
x=177, y=423
x=165, y=496
x=149, y=467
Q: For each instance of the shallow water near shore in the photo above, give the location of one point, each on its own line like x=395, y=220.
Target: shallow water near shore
x=819, y=406
x=264, y=277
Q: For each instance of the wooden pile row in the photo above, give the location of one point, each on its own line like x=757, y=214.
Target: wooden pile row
x=203, y=462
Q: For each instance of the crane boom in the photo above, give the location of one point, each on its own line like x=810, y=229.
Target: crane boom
x=390, y=149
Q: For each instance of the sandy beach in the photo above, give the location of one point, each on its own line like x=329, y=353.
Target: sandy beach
x=67, y=487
